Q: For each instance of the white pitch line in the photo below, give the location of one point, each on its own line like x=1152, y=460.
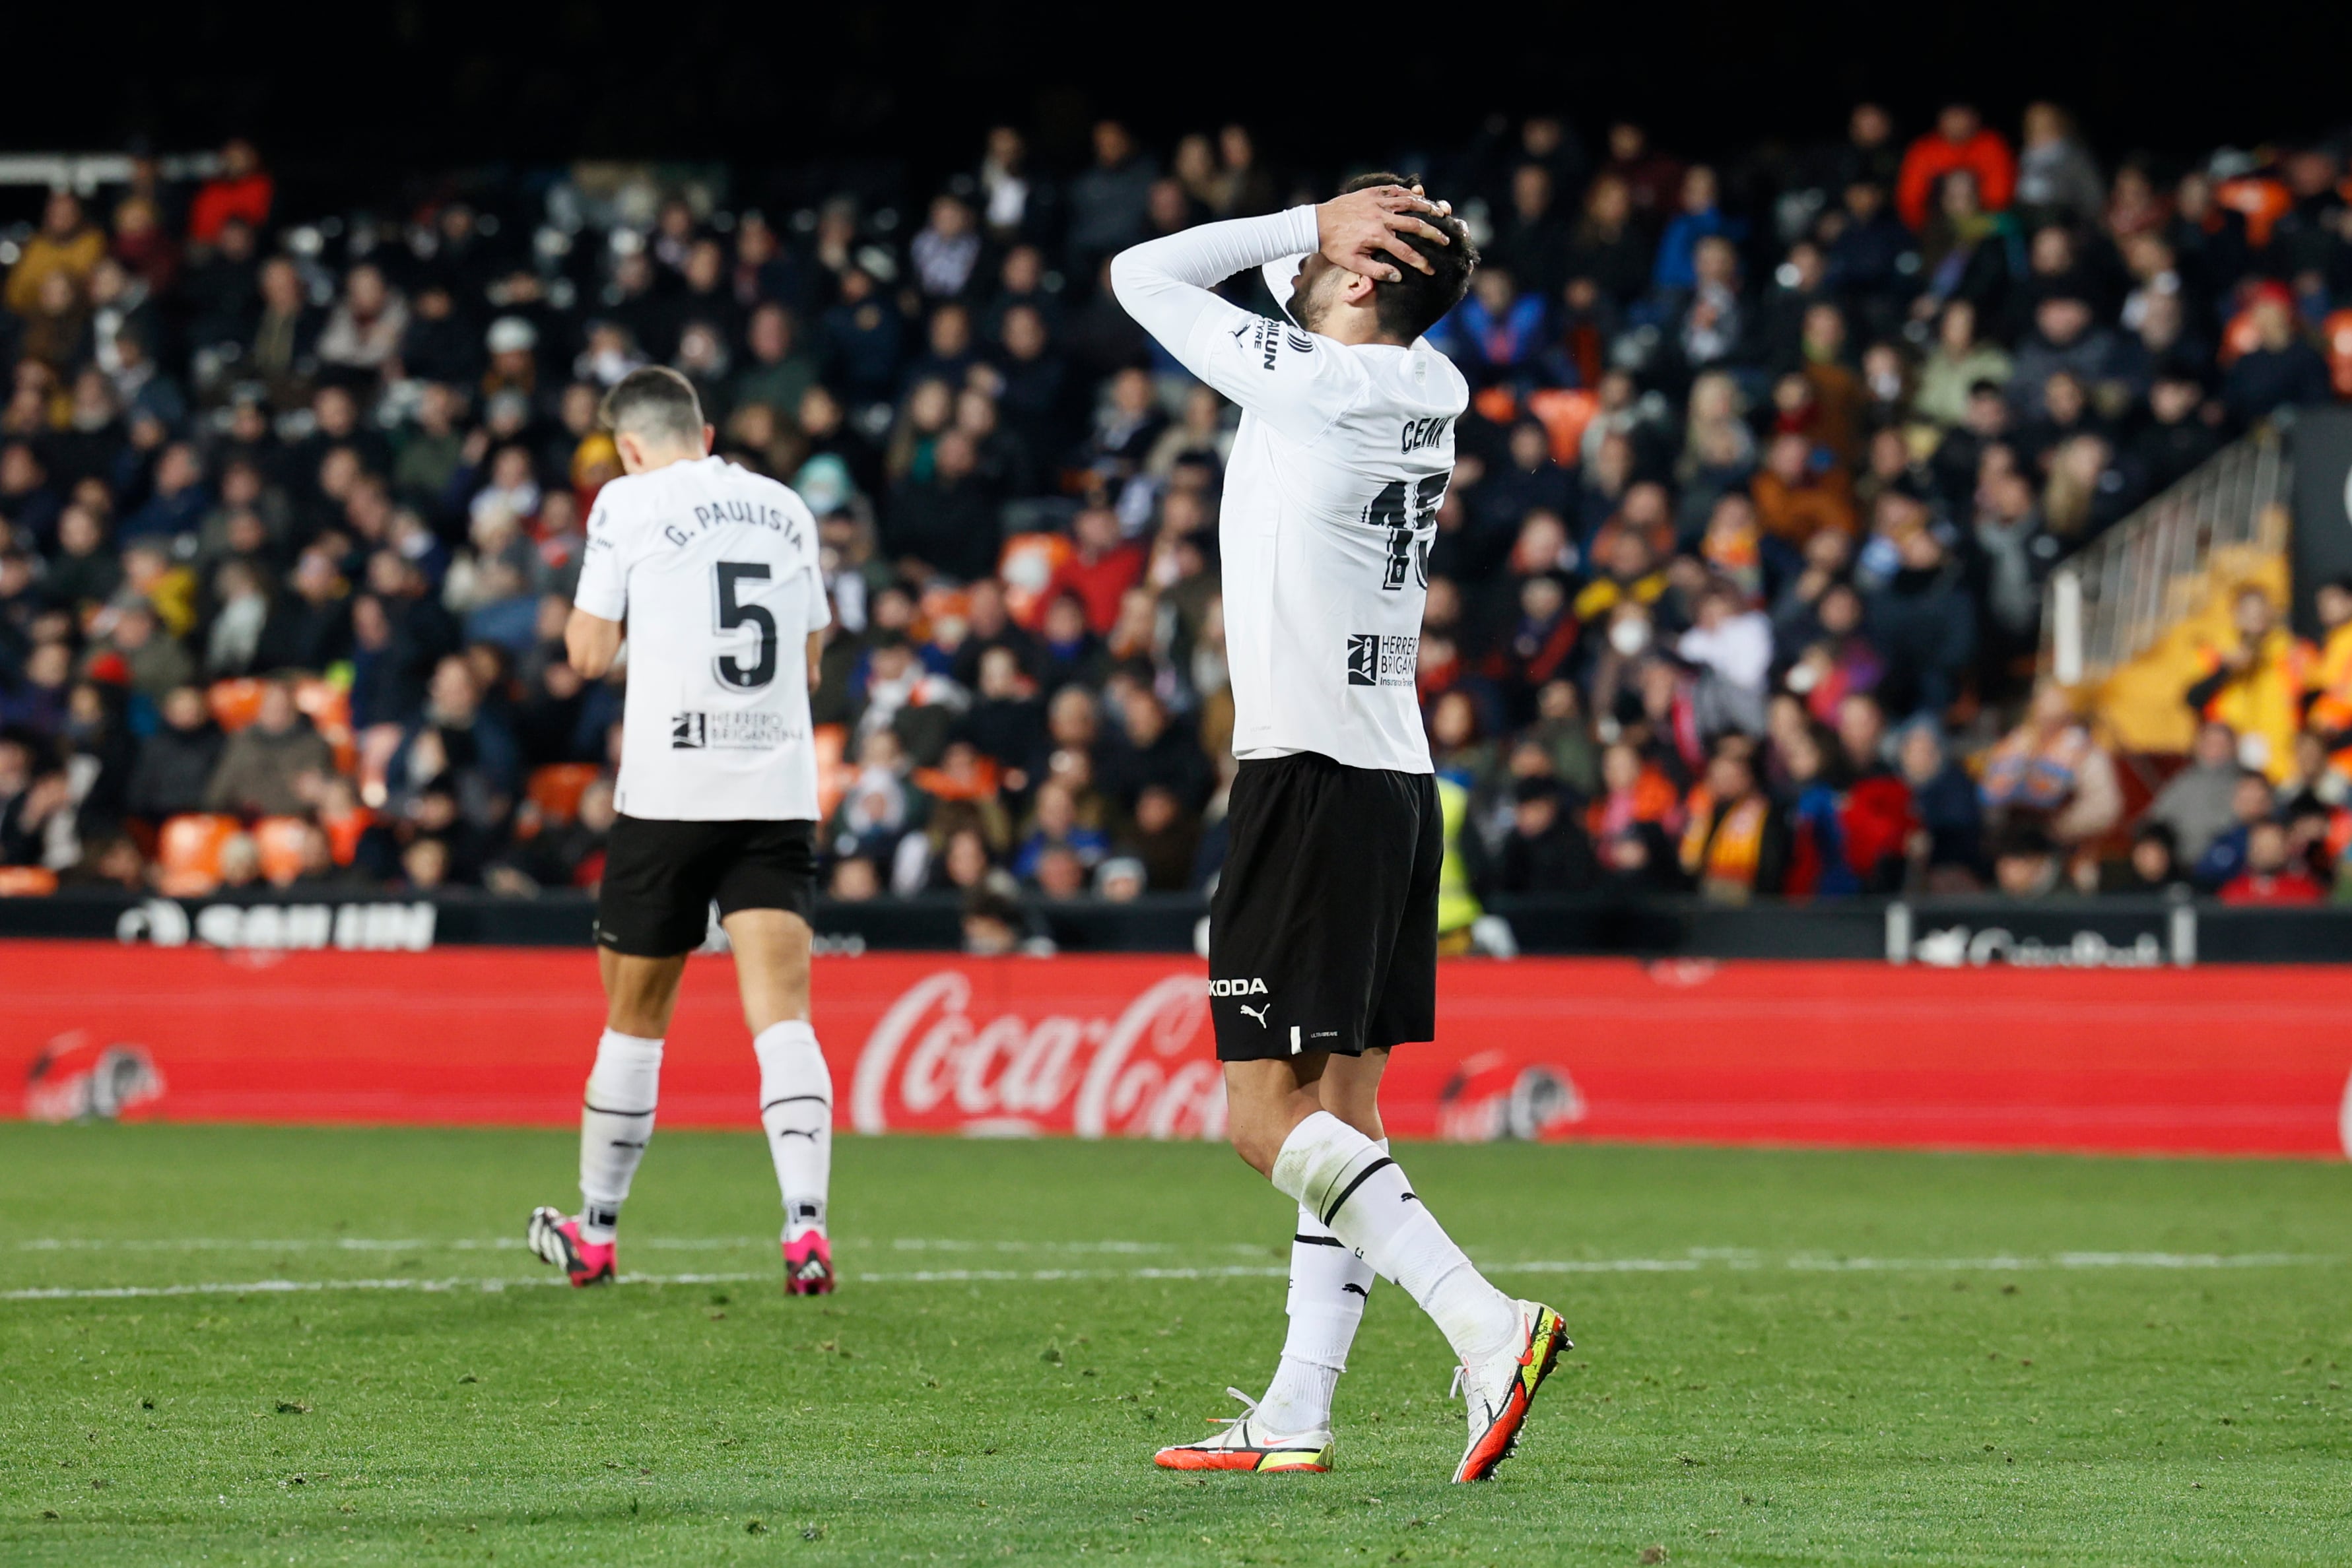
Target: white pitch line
x=1800, y=1264
x=2063, y=1260
x=515, y=1243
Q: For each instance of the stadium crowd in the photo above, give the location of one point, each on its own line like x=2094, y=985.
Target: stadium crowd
x=1737, y=587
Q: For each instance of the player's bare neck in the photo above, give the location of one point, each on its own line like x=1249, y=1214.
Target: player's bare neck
x=660, y=457
x=1357, y=329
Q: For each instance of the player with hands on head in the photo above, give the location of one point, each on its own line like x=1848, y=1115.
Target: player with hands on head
x=1323, y=926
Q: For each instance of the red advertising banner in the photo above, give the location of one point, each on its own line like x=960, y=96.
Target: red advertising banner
x=2207, y=1061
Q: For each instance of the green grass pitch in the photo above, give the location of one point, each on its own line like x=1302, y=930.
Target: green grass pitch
x=1782, y=1357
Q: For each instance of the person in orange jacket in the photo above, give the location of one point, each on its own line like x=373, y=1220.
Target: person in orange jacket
x=1961, y=140
x=2330, y=713
x=2259, y=686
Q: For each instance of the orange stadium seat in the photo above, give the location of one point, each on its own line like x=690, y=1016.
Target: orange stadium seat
x=940, y=603
x=1564, y=414
x=2260, y=200
x=235, y=702
x=1497, y=405
x=344, y=831
x=26, y=881
x=328, y=709
x=556, y=788
x=188, y=852
x=279, y=839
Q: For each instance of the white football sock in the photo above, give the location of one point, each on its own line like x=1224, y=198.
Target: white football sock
x=1362, y=1196
x=1329, y=1288
x=796, y=1108
x=617, y=1122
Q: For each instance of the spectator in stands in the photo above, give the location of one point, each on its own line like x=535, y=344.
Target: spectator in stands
x=2053, y=770
x=177, y=500
x=1148, y=752
x=1731, y=646
x=1099, y=571
x=2195, y=803
x=310, y=628
x=2177, y=436
x=1544, y=851
x=2026, y=864
x=2270, y=875
x=155, y=659
x=364, y=330
x=2252, y=805
x=1871, y=253
x=238, y=197
x=1801, y=490
x=1736, y=847
x=1055, y=835
x=1110, y=202
x=1961, y=141
x=946, y=523
x=1607, y=248
x=1923, y=619
x=2065, y=341
x=275, y=765
x=458, y=747
x=66, y=246
x=1960, y=362
x=2281, y=370
x=2152, y=865
x=38, y=703
x=1164, y=838
x=1119, y=880
x=1949, y=845
x=2056, y=176
x=2258, y=686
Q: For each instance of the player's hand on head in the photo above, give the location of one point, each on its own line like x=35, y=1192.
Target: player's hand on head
x=1364, y=231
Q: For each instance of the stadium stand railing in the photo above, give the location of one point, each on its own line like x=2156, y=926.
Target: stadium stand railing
x=2114, y=600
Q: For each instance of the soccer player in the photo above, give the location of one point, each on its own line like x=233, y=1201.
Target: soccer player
x=1323, y=930
x=715, y=572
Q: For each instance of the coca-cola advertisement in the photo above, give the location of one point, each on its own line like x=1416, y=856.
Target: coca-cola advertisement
x=1038, y=1059
x=2217, y=1059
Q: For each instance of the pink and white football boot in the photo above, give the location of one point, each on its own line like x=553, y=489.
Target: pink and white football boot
x=808, y=1265
x=555, y=1238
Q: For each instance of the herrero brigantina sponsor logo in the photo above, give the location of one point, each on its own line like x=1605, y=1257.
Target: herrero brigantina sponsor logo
x=1382, y=659
x=752, y=731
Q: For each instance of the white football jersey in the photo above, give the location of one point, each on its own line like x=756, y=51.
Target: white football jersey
x=715, y=570
x=1330, y=502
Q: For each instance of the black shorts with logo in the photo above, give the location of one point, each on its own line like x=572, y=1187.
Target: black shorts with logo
x=660, y=878
x=1323, y=931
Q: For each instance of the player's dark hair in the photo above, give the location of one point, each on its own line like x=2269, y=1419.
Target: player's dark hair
x=1407, y=309
x=654, y=401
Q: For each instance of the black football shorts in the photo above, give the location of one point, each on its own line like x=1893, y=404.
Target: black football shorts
x=661, y=878
x=1323, y=931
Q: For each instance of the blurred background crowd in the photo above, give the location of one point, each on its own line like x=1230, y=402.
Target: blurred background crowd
x=1737, y=589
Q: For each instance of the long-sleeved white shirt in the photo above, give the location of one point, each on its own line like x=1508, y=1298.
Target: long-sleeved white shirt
x=1331, y=497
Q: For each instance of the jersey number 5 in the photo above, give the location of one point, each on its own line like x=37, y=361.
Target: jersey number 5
x=733, y=617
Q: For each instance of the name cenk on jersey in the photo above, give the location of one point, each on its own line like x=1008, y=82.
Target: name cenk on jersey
x=1338, y=471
